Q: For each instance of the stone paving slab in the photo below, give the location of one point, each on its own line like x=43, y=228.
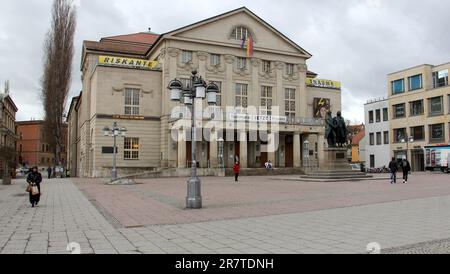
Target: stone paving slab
x=66, y=215
x=161, y=201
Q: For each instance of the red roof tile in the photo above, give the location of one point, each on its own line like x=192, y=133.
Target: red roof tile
x=141, y=38
x=358, y=137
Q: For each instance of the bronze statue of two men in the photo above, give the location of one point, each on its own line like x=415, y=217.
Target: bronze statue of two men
x=335, y=130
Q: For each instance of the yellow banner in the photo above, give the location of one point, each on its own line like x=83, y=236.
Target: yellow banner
x=127, y=62
x=321, y=83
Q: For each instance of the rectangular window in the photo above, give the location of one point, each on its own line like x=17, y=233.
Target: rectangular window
x=266, y=66
x=399, y=111
x=418, y=133
x=289, y=101
x=385, y=114
x=241, y=63
x=440, y=78
x=131, y=101
x=371, y=116
x=219, y=94
x=399, y=135
x=289, y=69
x=131, y=149
x=241, y=96
x=372, y=139
x=186, y=56
x=436, y=106
x=437, y=133
x=215, y=60
x=415, y=82
x=372, y=161
x=416, y=108
x=398, y=86
x=378, y=115
x=386, y=137
x=379, y=141
x=266, y=100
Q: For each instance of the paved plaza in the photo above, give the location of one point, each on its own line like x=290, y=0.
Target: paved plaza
x=259, y=215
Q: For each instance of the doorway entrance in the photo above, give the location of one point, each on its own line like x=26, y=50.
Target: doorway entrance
x=289, y=151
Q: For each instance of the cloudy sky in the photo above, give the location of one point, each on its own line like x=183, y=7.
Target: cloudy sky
x=355, y=41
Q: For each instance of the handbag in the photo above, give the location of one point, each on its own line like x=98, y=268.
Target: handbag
x=34, y=190
x=28, y=188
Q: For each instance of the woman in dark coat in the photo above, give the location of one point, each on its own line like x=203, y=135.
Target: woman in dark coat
x=35, y=178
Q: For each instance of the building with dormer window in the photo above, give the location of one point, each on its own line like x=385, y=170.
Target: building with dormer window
x=125, y=80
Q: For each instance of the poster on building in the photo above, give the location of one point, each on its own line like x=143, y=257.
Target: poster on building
x=321, y=107
x=127, y=62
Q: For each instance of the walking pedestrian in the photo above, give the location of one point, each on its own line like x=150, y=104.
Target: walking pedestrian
x=236, y=170
x=393, y=167
x=49, y=171
x=34, y=180
x=406, y=167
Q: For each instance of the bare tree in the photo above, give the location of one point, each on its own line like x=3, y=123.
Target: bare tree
x=58, y=57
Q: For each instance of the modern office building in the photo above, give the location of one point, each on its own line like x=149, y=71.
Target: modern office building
x=419, y=103
x=378, y=148
x=262, y=76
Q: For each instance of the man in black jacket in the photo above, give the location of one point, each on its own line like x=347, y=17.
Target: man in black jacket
x=393, y=167
x=406, y=167
x=34, y=179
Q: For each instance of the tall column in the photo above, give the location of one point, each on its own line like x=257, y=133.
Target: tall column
x=297, y=150
x=213, y=149
x=181, y=149
x=243, y=149
x=321, y=149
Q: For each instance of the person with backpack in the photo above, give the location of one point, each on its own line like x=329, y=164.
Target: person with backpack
x=393, y=168
x=406, y=167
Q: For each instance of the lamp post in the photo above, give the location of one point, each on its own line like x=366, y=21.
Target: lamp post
x=306, y=152
x=114, y=132
x=195, y=89
x=407, y=141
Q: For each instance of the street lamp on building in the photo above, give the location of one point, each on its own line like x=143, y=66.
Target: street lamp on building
x=407, y=141
x=114, y=132
x=195, y=89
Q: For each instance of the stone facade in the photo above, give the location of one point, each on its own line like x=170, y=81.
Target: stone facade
x=8, y=135
x=211, y=48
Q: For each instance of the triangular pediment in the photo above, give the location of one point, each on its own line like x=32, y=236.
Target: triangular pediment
x=218, y=30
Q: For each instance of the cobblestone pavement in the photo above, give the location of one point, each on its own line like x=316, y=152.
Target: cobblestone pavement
x=162, y=201
x=66, y=215
x=434, y=247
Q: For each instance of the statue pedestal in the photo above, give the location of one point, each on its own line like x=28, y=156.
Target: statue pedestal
x=335, y=159
x=334, y=167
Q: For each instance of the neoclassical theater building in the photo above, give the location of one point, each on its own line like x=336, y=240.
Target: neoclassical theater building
x=125, y=80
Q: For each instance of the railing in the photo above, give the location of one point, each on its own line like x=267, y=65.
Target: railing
x=302, y=121
x=376, y=100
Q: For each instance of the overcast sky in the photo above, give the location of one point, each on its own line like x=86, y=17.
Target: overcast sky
x=357, y=42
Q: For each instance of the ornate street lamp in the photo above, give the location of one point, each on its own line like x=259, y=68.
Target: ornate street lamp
x=407, y=141
x=196, y=89
x=114, y=132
